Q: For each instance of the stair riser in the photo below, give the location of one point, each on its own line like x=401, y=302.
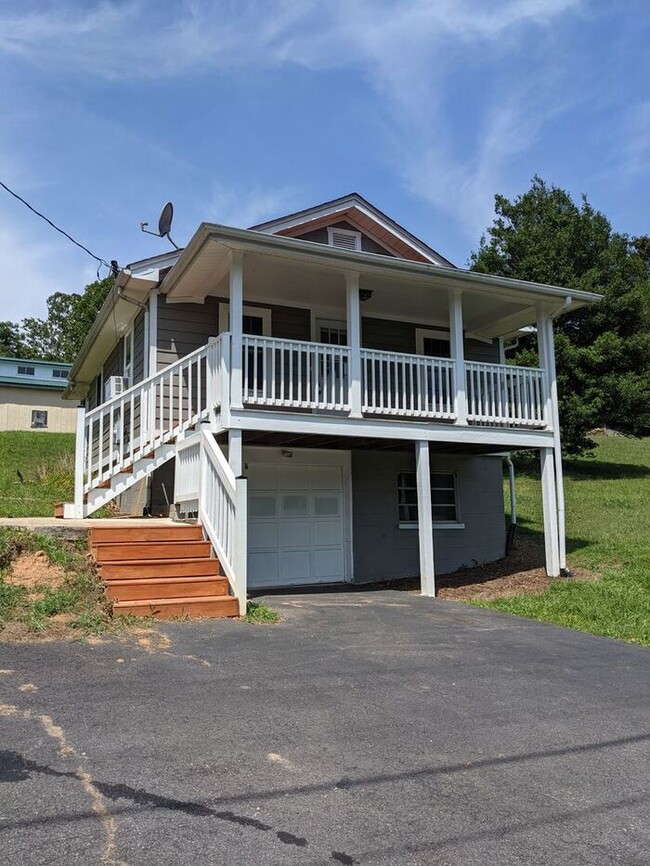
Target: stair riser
x=151, y=550
x=119, y=591
x=198, y=609
x=144, y=533
x=164, y=570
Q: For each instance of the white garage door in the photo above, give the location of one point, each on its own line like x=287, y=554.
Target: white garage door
x=296, y=527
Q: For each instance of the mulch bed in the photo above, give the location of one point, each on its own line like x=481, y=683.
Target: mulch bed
x=520, y=573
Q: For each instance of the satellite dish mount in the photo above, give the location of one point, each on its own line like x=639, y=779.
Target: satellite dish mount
x=164, y=225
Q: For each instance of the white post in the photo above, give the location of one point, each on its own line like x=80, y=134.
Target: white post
x=457, y=351
x=236, y=328
x=235, y=451
x=354, y=342
x=240, y=550
x=152, y=343
x=544, y=352
x=79, y=452
x=425, y=519
x=549, y=507
x=557, y=441
x=224, y=373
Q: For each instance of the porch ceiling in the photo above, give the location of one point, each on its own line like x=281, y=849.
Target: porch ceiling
x=353, y=443
x=302, y=273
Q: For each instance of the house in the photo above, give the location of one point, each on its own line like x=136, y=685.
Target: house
x=31, y=396
x=308, y=389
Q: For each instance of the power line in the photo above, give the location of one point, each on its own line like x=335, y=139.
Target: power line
x=60, y=230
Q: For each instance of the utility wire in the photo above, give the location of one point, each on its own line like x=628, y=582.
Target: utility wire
x=60, y=230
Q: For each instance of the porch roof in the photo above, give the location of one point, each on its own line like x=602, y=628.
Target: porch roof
x=494, y=306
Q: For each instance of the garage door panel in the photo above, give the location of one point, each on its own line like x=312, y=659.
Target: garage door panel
x=292, y=477
x=263, y=535
x=263, y=568
x=262, y=476
x=328, y=564
x=295, y=566
x=326, y=532
x=325, y=477
x=295, y=533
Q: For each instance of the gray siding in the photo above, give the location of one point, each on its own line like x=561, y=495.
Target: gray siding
x=392, y=336
x=182, y=328
x=383, y=551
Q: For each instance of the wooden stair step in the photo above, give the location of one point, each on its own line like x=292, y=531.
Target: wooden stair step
x=205, y=566
x=129, y=550
x=112, y=535
x=166, y=608
x=139, y=589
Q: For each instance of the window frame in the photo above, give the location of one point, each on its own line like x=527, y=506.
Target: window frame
x=456, y=523
x=25, y=370
x=331, y=324
x=35, y=426
x=263, y=313
x=128, y=366
x=58, y=373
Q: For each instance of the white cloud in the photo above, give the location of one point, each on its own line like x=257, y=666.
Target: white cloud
x=246, y=207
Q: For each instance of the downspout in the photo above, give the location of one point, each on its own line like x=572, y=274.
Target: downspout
x=512, y=528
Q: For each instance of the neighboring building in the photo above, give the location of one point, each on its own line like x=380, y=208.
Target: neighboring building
x=310, y=388
x=31, y=396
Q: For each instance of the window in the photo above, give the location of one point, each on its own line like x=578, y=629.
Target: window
x=343, y=238
x=444, y=505
x=39, y=418
x=334, y=333
x=434, y=344
x=127, y=366
x=60, y=374
x=26, y=371
x=255, y=320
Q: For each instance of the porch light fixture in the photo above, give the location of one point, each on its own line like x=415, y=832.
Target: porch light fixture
x=287, y=454
x=365, y=294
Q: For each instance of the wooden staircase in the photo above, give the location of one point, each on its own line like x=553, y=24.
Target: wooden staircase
x=161, y=571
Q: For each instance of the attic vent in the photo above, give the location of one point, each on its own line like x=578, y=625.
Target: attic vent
x=344, y=239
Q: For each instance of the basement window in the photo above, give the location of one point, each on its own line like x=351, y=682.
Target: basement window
x=39, y=419
x=59, y=374
x=444, y=500
x=26, y=371
x=343, y=238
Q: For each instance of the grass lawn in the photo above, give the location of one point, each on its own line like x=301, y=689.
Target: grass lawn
x=46, y=463
x=608, y=532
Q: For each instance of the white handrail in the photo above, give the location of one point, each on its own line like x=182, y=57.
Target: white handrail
x=415, y=386
x=499, y=394
x=133, y=424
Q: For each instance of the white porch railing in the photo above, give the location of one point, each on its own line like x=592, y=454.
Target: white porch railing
x=205, y=486
x=133, y=424
x=294, y=373
x=412, y=386
x=505, y=395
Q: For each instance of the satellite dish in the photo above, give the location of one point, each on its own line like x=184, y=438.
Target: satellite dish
x=165, y=221
x=164, y=224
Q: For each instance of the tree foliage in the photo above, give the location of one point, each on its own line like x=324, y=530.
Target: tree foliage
x=60, y=335
x=602, y=350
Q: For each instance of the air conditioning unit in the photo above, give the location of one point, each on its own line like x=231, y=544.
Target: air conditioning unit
x=115, y=385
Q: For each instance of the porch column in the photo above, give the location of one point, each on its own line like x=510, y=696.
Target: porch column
x=236, y=328
x=546, y=348
x=557, y=442
x=425, y=519
x=549, y=508
x=354, y=342
x=457, y=351
x=235, y=451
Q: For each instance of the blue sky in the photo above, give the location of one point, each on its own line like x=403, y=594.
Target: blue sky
x=241, y=111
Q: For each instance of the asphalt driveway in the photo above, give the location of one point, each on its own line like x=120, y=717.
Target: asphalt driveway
x=366, y=728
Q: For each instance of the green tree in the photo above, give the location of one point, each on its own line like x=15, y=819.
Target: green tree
x=603, y=350
x=69, y=319
x=11, y=341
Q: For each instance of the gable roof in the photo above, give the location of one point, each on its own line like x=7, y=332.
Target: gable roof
x=364, y=216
